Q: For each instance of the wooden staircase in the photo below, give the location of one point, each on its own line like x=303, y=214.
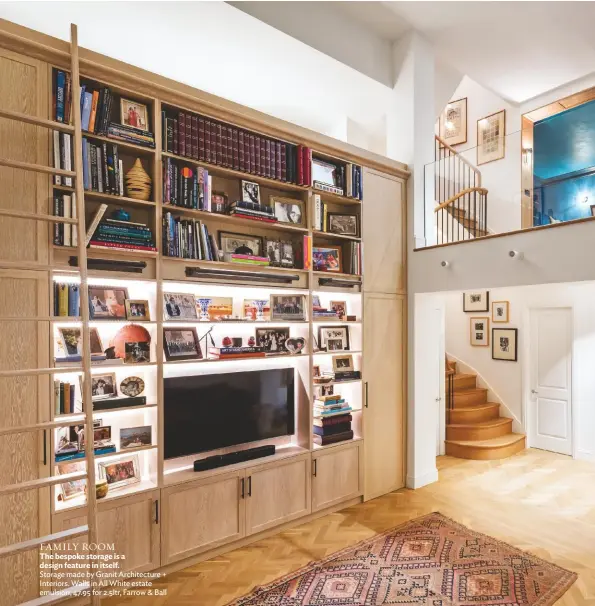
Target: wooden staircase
x=475, y=429
x=469, y=223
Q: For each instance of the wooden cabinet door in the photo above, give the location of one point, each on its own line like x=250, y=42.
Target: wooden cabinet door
x=277, y=493
x=201, y=515
x=383, y=373
x=384, y=233
x=336, y=475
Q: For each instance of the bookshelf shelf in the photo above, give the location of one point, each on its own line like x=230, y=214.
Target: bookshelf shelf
x=110, y=198
x=335, y=274
x=340, y=352
x=236, y=266
x=253, y=359
x=106, y=455
x=64, y=188
x=338, y=382
x=229, y=173
x=330, y=236
x=174, y=323
x=131, y=147
x=109, y=411
x=335, y=198
x=317, y=447
x=101, y=251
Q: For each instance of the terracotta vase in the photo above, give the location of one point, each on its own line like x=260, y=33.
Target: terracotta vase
x=138, y=182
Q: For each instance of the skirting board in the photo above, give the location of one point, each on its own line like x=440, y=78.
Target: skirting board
x=421, y=481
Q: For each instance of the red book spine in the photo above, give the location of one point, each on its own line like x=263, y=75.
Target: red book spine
x=235, y=149
x=253, y=218
x=278, y=165
x=194, y=137
x=241, y=150
x=182, y=134
x=263, y=159
x=300, y=165
x=257, y=169
x=252, y=155
x=283, y=162
x=176, y=146
x=121, y=246
x=201, y=139
x=273, y=161
x=219, y=139
x=188, y=136
x=267, y=158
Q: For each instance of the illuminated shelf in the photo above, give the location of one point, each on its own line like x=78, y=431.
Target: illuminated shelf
x=331, y=236
x=354, y=439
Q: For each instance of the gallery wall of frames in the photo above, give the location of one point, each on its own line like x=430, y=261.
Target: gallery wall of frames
x=173, y=236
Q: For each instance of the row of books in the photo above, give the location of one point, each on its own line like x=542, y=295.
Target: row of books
x=122, y=235
x=72, y=453
x=332, y=420
x=355, y=258
x=65, y=234
x=185, y=186
x=346, y=178
x=252, y=210
x=188, y=239
x=67, y=300
x=64, y=398
x=207, y=140
x=102, y=168
x=61, y=96
x=63, y=156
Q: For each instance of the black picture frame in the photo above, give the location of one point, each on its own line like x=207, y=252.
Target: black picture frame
x=169, y=356
x=495, y=340
x=479, y=309
x=322, y=343
x=224, y=234
x=330, y=226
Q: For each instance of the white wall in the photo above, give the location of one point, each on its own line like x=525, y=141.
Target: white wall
x=571, y=88
x=220, y=49
x=510, y=379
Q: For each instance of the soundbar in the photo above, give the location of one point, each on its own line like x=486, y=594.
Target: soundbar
x=233, y=457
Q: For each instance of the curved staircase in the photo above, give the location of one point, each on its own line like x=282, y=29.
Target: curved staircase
x=475, y=429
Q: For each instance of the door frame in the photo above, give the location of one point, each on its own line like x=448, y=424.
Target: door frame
x=441, y=426
x=526, y=375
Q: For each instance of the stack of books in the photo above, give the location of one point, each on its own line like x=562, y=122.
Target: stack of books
x=206, y=140
x=332, y=420
x=61, y=96
x=64, y=398
x=230, y=353
x=343, y=375
x=253, y=210
x=321, y=312
x=65, y=234
x=186, y=186
x=66, y=300
x=246, y=259
x=348, y=181
x=188, y=239
x=130, y=134
x=102, y=168
x=71, y=452
x=123, y=235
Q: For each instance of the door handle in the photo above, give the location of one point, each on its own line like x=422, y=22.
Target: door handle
x=438, y=399
x=366, y=385
x=249, y=486
x=156, y=519
x=314, y=467
x=45, y=447
x=242, y=488
x=534, y=391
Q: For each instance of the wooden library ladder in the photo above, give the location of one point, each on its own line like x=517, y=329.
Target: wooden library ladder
x=90, y=529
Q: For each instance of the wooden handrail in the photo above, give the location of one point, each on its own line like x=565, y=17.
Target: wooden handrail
x=460, y=157
x=463, y=192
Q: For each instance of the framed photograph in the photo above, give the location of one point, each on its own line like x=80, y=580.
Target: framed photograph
x=288, y=307
x=219, y=203
x=453, y=122
x=325, y=172
x=76, y=488
x=476, y=301
x=95, y=341
x=272, y=339
x=250, y=192
x=339, y=307
x=343, y=363
x=258, y=310
x=179, y=306
x=120, y=473
x=316, y=302
x=327, y=258
x=134, y=437
x=107, y=303
x=181, y=344
x=316, y=371
x=274, y=251
x=480, y=332
x=491, y=132
x=500, y=311
x=344, y=225
x=288, y=210
x=215, y=308
x=137, y=310
x=132, y=386
x=333, y=338
x=102, y=436
x=134, y=114
x=71, y=340
x=137, y=352
x=104, y=386
x=327, y=390
x=505, y=344
x=240, y=244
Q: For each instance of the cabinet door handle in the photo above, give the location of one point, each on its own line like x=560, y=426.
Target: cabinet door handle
x=249, y=486
x=366, y=387
x=45, y=447
x=243, y=493
x=314, y=467
x=157, y=511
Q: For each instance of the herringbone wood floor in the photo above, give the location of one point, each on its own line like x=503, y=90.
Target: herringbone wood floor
x=538, y=501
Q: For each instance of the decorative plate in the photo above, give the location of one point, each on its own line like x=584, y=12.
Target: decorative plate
x=132, y=386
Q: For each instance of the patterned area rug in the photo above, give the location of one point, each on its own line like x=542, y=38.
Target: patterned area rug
x=431, y=560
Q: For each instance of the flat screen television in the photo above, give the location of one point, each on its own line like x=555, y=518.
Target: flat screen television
x=206, y=412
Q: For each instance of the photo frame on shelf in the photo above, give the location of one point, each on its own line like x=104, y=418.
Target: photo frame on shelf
x=181, y=344
x=219, y=202
x=333, y=338
x=272, y=340
x=505, y=344
x=121, y=472
x=479, y=331
x=76, y=488
x=327, y=258
x=339, y=307
x=327, y=390
x=179, y=306
x=343, y=224
x=343, y=363
x=250, y=192
x=71, y=340
x=107, y=303
x=500, y=312
x=288, y=210
x=453, y=122
x=134, y=114
x=132, y=386
x=478, y=300
x=104, y=386
x=288, y=307
x=137, y=309
x=137, y=352
x=240, y=244
x=257, y=310
x=135, y=437
x=491, y=138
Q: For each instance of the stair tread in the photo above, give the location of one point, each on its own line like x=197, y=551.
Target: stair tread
x=489, y=423
x=476, y=407
x=465, y=375
x=507, y=440
x=464, y=390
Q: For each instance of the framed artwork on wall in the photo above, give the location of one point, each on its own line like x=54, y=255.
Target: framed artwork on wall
x=479, y=335
x=453, y=122
x=490, y=138
x=478, y=300
x=500, y=311
x=505, y=344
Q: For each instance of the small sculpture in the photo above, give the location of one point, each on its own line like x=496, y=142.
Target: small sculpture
x=138, y=182
x=226, y=341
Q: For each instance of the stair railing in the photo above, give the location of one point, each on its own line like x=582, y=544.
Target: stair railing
x=450, y=393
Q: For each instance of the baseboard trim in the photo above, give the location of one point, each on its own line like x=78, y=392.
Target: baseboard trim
x=416, y=482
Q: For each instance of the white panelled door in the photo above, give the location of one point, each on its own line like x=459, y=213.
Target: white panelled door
x=549, y=421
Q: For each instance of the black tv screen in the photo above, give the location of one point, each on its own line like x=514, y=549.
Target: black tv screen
x=206, y=412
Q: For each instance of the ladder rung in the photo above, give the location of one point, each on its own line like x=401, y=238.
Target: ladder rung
x=38, y=168
x=38, y=426
x=57, y=537
x=34, y=266
x=65, y=128
x=35, y=216
x=55, y=598
x=40, y=371
x=43, y=482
